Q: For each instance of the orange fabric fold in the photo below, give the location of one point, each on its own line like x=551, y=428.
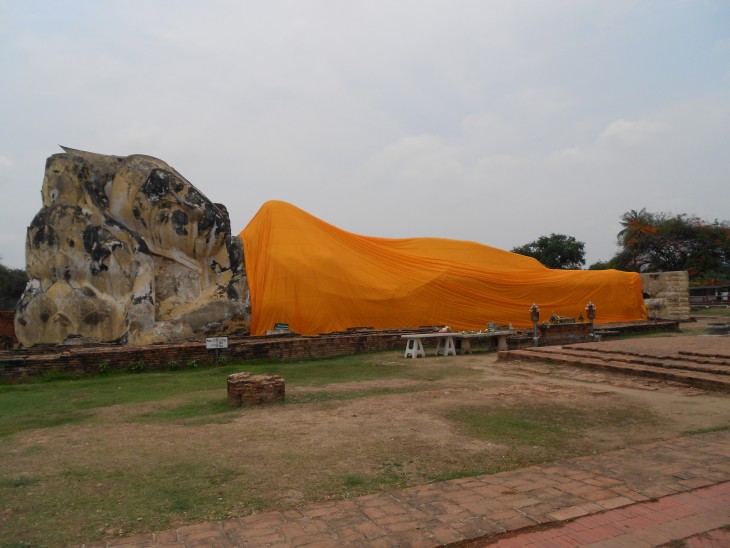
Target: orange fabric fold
x=319, y=279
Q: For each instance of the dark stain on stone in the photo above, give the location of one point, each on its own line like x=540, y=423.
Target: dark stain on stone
x=124, y=339
x=93, y=178
x=141, y=244
x=89, y=292
x=235, y=253
x=194, y=198
x=40, y=228
x=94, y=318
x=207, y=220
x=147, y=298
x=180, y=222
x=99, y=244
x=157, y=185
x=138, y=216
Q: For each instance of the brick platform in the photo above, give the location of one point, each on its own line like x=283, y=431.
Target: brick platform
x=703, y=362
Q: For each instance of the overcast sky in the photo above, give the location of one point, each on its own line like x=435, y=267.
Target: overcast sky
x=491, y=121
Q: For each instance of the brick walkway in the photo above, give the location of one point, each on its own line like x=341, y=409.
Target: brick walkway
x=697, y=516
x=641, y=496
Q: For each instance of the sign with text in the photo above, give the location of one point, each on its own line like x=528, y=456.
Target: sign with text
x=216, y=342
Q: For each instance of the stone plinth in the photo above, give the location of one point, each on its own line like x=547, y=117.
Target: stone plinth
x=666, y=294
x=248, y=389
x=562, y=333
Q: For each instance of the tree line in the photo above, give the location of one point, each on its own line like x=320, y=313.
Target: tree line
x=12, y=284
x=649, y=242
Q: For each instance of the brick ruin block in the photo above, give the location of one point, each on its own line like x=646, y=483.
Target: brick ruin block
x=248, y=389
x=666, y=294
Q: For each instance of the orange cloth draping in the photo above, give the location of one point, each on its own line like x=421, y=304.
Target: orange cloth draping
x=319, y=279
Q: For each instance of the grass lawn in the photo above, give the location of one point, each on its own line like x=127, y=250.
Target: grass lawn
x=722, y=314
x=117, y=454
x=47, y=498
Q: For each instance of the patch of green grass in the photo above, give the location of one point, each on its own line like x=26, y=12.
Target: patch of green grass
x=317, y=397
x=721, y=313
x=390, y=475
x=357, y=367
x=19, y=481
x=54, y=375
x=458, y=474
x=205, y=410
x=648, y=334
x=67, y=399
x=125, y=498
x=708, y=430
x=26, y=407
x=353, y=480
x=524, y=425
x=545, y=426
x=32, y=422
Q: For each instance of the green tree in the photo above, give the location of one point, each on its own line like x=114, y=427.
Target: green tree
x=600, y=265
x=12, y=284
x=662, y=242
x=555, y=251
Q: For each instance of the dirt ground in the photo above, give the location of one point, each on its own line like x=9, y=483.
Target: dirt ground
x=345, y=439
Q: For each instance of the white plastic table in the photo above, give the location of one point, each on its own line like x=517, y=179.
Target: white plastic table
x=446, y=342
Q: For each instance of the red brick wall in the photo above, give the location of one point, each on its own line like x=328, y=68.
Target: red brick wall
x=19, y=365
x=7, y=323
x=7, y=330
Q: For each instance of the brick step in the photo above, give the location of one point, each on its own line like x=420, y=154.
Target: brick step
x=669, y=362
x=693, y=357
x=697, y=355
x=697, y=379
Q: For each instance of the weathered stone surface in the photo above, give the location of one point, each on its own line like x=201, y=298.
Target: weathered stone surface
x=666, y=294
x=125, y=249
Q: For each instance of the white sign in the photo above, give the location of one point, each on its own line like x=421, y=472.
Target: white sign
x=211, y=343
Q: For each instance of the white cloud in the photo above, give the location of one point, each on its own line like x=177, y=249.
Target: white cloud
x=638, y=134
x=420, y=160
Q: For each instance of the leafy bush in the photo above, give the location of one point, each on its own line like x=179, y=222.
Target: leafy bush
x=137, y=366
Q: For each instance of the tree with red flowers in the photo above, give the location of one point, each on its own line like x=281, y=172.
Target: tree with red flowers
x=662, y=242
